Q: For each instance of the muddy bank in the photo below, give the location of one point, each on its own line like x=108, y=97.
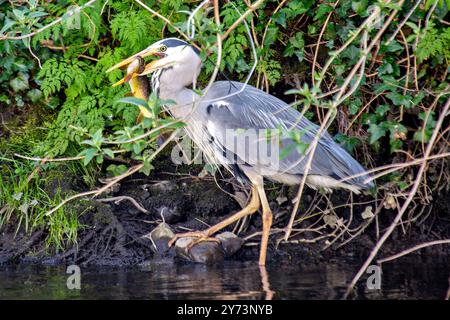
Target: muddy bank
x=117, y=233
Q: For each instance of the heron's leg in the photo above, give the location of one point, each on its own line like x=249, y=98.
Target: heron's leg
x=267, y=222
x=205, y=235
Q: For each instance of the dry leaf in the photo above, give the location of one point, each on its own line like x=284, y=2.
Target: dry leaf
x=367, y=213
x=390, y=203
x=281, y=200
x=331, y=221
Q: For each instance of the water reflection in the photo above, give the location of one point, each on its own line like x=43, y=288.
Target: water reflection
x=233, y=280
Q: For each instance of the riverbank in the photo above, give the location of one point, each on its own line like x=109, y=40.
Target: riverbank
x=118, y=233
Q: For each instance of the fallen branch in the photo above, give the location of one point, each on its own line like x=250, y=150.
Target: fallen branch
x=120, y=198
x=415, y=248
x=130, y=171
x=96, y=192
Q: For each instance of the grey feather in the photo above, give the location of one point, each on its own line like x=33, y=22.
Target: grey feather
x=255, y=109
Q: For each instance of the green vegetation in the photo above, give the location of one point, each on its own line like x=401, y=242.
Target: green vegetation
x=57, y=101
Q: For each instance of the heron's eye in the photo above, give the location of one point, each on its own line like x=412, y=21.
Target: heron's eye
x=163, y=48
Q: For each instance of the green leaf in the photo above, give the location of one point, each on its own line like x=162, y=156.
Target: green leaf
x=421, y=135
x=19, y=83
x=37, y=14
x=89, y=155
x=360, y=7
x=34, y=95
x=108, y=152
x=399, y=99
x=394, y=46
x=376, y=132
x=134, y=101
x=322, y=11
x=7, y=25
x=117, y=170
x=147, y=168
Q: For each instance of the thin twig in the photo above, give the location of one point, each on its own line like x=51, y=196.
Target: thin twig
x=68, y=14
x=415, y=248
x=251, y=8
x=405, y=205
x=120, y=198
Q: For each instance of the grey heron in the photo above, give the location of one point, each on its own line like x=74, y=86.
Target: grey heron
x=215, y=119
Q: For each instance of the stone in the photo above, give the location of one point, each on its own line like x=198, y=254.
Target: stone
x=171, y=215
x=160, y=237
x=230, y=243
x=162, y=186
x=205, y=252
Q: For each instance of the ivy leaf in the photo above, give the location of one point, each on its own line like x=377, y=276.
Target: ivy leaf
x=394, y=46
x=382, y=109
x=19, y=83
x=360, y=7
x=34, y=95
x=117, y=170
x=323, y=10
x=296, y=45
x=147, y=167
x=385, y=68
x=399, y=99
x=421, y=135
x=352, y=53
x=376, y=132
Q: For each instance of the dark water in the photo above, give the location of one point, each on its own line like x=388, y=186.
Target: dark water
x=233, y=280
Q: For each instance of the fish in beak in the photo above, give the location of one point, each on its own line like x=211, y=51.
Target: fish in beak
x=135, y=67
x=139, y=87
x=144, y=53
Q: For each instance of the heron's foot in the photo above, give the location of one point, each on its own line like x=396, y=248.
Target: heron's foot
x=200, y=236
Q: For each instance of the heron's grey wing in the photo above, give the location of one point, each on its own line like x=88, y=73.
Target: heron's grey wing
x=224, y=107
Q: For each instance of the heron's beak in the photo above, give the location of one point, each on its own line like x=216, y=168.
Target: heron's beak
x=126, y=79
x=164, y=62
x=144, y=53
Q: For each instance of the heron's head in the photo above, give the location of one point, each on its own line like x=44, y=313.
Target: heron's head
x=173, y=54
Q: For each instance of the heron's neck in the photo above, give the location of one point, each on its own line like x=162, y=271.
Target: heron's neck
x=184, y=99
x=171, y=84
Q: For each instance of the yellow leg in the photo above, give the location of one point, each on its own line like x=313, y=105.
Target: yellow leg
x=251, y=208
x=267, y=222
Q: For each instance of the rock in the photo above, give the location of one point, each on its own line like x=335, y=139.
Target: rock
x=162, y=187
x=160, y=237
x=206, y=252
x=230, y=243
x=171, y=215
